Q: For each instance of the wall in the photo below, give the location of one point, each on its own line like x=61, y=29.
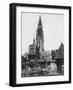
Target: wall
x=4, y=44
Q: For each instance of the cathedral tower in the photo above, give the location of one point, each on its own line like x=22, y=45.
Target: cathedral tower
x=40, y=36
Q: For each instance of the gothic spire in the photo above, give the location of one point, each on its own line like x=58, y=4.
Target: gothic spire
x=40, y=36
x=40, y=22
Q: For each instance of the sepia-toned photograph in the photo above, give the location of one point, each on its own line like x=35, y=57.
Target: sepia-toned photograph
x=42, y=46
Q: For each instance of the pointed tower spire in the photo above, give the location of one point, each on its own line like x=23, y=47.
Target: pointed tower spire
x=40, y=22
x=39, y=29
x=40, y=36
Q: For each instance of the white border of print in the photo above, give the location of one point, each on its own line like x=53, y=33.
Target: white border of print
x=20, y=80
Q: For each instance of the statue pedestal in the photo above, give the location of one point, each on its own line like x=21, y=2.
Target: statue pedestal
x=53, y=68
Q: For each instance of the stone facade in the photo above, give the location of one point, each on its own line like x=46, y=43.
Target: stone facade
x=38, y=44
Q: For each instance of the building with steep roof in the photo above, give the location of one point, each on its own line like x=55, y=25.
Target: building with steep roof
x=37, y=47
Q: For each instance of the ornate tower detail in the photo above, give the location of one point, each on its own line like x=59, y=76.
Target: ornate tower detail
x=34, y=41
x=40, y=36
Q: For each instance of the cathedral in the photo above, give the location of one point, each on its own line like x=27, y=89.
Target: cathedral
x=39, y=61
x=37, y=47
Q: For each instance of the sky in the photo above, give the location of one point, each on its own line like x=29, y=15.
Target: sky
x=53, y=28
